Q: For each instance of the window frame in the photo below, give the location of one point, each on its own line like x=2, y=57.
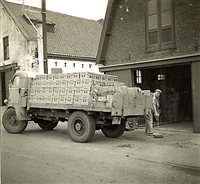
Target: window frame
x=6, y=50
x=159, y=45
x=138, y=76
x=15, y=81
x=161, y=77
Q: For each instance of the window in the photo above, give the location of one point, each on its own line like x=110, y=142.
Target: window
x=159, y=25
x=138, y=76
x=65, y=64
x=36, y=52
x=74, y=64
x=90, y=66
x=6, y=48
x=161, y=77
x=50, y=28
x=82, y=65
x=15, y=81
x=56, y=63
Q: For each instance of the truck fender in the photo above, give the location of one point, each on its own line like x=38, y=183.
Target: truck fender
x=21, y=113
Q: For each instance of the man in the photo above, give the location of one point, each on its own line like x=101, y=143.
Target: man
x=155, y=112
x=174, y=104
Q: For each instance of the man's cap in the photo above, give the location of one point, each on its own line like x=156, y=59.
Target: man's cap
x=158, y=90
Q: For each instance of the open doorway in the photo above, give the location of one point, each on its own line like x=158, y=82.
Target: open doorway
x=2, y=88
x=179, y=78
x=166, y=78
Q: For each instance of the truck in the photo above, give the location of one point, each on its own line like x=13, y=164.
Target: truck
x=85, y=101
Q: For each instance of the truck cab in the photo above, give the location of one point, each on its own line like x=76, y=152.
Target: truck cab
x=18, y=92
x=18, y=89
x=15, y=118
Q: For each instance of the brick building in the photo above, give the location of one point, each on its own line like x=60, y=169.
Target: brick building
x=156, y=44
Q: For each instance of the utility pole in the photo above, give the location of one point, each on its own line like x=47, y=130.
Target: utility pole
x=44, y=34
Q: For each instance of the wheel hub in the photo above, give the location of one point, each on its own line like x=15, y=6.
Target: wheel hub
x=13, y=121
x=78, y=126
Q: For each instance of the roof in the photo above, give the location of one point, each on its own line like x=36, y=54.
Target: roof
x=106, y=29
x=73, y=37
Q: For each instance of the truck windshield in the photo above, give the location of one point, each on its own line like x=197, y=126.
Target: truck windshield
x=15, y=81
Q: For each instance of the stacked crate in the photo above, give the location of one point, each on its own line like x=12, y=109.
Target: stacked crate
x=67, y=88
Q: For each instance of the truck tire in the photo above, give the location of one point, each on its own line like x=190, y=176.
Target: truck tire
x=113, y=131
x=10, y=123
x=47, y=125
x=81, y=127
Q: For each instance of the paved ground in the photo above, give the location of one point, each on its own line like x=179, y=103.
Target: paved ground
x=184, y=127
x=37, y=156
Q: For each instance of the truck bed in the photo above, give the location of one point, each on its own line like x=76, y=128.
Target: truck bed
x=68, y=107
x=88, y=92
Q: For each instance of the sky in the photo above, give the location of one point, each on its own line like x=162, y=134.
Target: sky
x=89, y=9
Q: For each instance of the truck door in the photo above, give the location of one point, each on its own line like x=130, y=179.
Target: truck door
x=14, y=91
x=18, y=91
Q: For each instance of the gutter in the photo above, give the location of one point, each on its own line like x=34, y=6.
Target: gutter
x=185, y=59
x=64, y=56
x=32, y=24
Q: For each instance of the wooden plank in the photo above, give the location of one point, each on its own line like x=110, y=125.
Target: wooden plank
x=134, y=105
x=68, y=107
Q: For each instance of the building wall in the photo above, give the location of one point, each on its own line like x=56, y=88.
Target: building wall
x=126, y=43
x=1, y=91
x=196, y=96
x=21, y=51
x=68, y=66
x=124, y=76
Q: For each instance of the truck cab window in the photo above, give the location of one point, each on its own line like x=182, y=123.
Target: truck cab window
x=15, y=81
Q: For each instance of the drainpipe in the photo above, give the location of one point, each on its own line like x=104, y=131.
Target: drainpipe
x=40, y=48
x=44, y=32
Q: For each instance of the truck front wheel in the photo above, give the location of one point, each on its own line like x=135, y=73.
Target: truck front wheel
x=81, y=127
x=113, y=131
x=11, y=124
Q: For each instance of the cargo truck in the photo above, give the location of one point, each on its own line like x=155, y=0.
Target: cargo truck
x=86, y=101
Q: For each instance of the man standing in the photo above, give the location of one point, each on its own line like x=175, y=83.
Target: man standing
x=154, y=112
x=174, y=104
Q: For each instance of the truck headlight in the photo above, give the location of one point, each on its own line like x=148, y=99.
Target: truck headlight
x=5, y=101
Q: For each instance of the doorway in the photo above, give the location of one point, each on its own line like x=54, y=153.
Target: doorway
x=165, y=78
x=2, y=89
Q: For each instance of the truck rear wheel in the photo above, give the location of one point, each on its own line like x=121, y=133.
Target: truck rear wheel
x=113, y=131
x=81, y=127
x=11, y=124
x=47, y=125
